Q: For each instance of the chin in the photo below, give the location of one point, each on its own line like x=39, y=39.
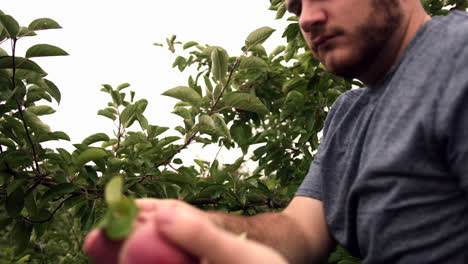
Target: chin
x=343, y=64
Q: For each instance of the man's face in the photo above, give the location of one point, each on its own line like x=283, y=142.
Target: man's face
x=347, y=35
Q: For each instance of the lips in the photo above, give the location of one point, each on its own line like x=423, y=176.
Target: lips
x=321, y=40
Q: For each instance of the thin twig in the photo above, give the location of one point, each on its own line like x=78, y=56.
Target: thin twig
x=20, y=108
x=51, y=214
x=119, y=133
x=236, y=63
x=169, y=159
x=219, y=110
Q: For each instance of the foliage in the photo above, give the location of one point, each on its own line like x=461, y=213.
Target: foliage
x=271, y=104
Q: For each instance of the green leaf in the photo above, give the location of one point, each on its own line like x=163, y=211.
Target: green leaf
x=57, y=135
x=88, y=217
x=189, y=44
x=209, y=86
x=185, y=94
x=44, y=50
x=43, y=23
x=180, y=62
x=107, y=113
x=118, y=220
x=114, y=165
x=294, y=101
x=258, y=50
x=241, y=133
x=15, y=202
x=245, y=102
x=21, y=63
x=219, y=66
x=252, y=63
x=65, y=155
x=7, y=142
x=113, y=190
x=281, y=11
x=58, y=190
x=182, y=112
x=35, y=123
x=180, y=179
x=10, y=25
x=21, y=234
x=16, y=158
x=25, y=32
x=170, y=43
x=3, y=52
x=89, y=155
x=291, y=31
x=258, y=36
x=207, y=125
x=95, y=138
x=14, y=185
x=74, y=201
x=221, y=126
x=277, y=51
x=123, y=86
x=142, y=120
x=128, y=115
x=181, y=130
x=154, y=131
x=53, y=90
x=167, y=140
x=141, y=105
x=41, y=110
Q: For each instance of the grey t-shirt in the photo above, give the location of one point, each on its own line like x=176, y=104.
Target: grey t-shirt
x=392, y=166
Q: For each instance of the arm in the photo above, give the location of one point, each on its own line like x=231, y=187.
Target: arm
x=299, y=232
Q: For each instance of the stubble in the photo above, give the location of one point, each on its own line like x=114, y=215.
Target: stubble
x=375, y=34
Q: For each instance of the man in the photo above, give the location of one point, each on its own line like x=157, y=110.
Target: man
x=390, y=179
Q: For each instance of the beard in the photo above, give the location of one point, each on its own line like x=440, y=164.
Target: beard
x=373, y=34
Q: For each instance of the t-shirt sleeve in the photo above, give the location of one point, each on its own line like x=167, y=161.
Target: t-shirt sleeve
x=312, y=183
x=452, y=118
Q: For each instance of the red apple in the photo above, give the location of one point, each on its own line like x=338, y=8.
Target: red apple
x=101, y=249
x=148, y=246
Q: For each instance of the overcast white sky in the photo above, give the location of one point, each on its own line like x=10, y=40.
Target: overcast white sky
x=112, y=42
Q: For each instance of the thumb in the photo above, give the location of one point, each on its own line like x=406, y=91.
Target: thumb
x=200, y=237
x=100, y=248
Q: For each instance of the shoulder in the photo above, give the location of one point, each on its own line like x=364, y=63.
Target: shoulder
x=345, y=100
x=342, y=105
x=454, y=38
x=452, y=96
x=453, y=22
x=452, y=30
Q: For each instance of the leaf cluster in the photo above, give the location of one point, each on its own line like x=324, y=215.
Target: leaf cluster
x=270, y=105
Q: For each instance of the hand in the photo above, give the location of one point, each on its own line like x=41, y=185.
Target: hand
x=199, y=237
x=186, y=227
x=103, y=250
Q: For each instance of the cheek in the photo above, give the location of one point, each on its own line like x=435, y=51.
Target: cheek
x=307, y=38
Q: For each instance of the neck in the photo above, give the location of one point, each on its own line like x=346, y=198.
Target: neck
x=416, y=17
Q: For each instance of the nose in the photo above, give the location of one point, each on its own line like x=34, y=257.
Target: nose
x=311, y=17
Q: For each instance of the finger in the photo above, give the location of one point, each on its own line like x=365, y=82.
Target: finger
x=146, y=245
x=100, y=248
x=203, y=239
x=147, y=204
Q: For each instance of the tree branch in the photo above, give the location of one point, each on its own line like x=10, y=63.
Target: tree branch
x=34, y=221
x=20, y=108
